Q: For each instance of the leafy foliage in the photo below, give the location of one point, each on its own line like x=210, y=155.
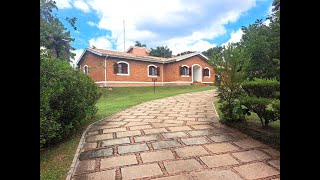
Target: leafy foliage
x=230, y=64
x=212, y=51
x=138, y=44
x=268, y=88
x=67, y=99
x=186, y=52
x=261, y=99
x=161, y=51
x=53, y=35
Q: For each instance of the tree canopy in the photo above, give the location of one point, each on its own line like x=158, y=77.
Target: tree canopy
x=53, y=35
x=185, y=52
x=139, y=44
x=161, y=51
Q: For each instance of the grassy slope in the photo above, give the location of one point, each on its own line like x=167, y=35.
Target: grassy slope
x=55, y=161
x=270, y=135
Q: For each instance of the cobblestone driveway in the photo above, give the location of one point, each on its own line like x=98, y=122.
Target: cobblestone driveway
x=174, y=138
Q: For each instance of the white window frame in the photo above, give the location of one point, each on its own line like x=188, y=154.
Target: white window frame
x=148, y=70
x=121, y=74
x=209, y=72
x=84, y=69
x=188, y=70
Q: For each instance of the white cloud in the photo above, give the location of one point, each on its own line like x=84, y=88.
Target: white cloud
x=235, y=37
x=101, y=42
x=62, y=4
x=81, y=5
x=182, y=25
x=267, y=22
x=90, y=23
x=78, y=53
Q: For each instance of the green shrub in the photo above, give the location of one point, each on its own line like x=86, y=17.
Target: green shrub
x=67, y=99
x=267, y=88
x=262, y=97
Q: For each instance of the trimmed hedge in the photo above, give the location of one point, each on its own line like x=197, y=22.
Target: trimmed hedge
x=67, y=100
x=262, y=98
x=268, y=88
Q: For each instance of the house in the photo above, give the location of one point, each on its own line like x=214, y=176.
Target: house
x=136, y=68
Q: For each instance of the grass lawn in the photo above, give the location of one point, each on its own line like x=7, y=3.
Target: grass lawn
x=55, y=161
x=253, y=128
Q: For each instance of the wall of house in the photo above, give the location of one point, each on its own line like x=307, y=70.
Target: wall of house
x=172, y=71
x=95, y=64
x=138, y=71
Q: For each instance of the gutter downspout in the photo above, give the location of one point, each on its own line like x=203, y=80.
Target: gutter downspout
x=105, y=71
x=162, y=72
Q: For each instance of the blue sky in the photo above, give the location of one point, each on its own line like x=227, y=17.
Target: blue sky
x=182, y=25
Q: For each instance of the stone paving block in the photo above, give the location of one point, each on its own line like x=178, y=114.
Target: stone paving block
x=222, y=138
x=132, y=148
x=136, y=124
x=165, y=144
x=173, y=121
x=180, y=128
x=102, y=175
x=217, y=174
x=96, y=127
x=128, y=133
x=96, y=154
x=84, y=166
x=155, y=130
x=156, y=156
x=146, y=117
x=186, y=119
x=160, y=125
x=200, y=132
x=256, y=170
x=99, y=137
x=133, y=120
x=195, y=140
x=140, y=171
x=196, y=122
x=219, y=160
x=164, y=117
x=115, y=141
x=205, y=119
x=146, y=138
x=182, y=166
x=191, y=151
x=90, y=133
x=86, y=146
x=115, y=123
x=140, y=127
x=221, y=147
x=174, y=135
x=252, y=155
x=248, y=143
x=275, y=163
x=177, y=177
x=118, y=161
x=128, y=117
x=272, y=152
x=113, y=130
x=140, y=114
x=152, y=120
x=202, y=126
x=176, y=115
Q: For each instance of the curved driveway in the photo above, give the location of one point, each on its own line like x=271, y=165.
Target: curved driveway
x=174, y=138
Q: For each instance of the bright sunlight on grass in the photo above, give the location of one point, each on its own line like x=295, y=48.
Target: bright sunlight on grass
x=55, y=161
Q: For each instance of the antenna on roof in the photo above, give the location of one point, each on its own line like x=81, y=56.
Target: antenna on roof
x=124, y=37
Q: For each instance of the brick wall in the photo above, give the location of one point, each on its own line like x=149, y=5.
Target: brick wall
x=138, y=71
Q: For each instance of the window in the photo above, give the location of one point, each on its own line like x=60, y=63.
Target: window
x=206, y=72
x=185, y=71
x=85, y=70
x=153, y=70
x=121, y=68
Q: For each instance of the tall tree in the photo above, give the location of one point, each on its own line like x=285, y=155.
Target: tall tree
x=53, y=35
x=138, y=44
x=185, y=52
x=262, y=43
x=212, y=51
x=161, y=51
